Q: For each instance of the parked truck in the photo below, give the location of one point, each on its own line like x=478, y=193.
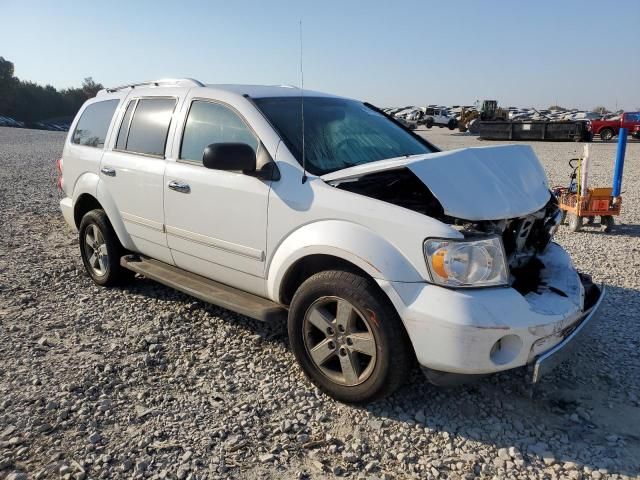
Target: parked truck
x=607, y=129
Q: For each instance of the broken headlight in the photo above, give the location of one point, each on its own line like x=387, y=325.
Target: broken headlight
x=466, y=263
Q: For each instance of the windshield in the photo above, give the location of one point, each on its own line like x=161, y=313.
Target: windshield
x=338, y=133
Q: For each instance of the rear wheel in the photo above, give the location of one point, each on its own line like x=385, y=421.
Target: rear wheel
x=100, y=250
x=452, y=124
x=348, y=339
x=575, y=223
x=606, y=134
x=429, y=122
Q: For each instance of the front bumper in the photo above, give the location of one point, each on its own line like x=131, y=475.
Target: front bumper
x=483, y=331
x=552, y=358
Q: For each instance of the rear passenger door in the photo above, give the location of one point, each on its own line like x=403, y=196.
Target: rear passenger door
x=132, y=172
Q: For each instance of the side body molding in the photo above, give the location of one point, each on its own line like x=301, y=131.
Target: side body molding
x=339, y=238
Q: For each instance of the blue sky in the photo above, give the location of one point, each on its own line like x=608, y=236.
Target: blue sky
x=578, y=53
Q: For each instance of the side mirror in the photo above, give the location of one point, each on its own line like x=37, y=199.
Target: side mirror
x=230, y=156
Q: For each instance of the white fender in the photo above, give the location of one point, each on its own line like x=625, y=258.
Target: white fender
x=339, y=238
x=111, y=209
x=89, y=183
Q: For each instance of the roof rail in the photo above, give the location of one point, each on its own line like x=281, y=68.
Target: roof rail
x=172, y=82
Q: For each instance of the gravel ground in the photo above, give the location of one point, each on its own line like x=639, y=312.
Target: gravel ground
x=147, y=382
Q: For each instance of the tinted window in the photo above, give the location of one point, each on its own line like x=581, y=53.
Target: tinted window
x=121, y=142
x=92, y=127
x=209, y=123
x=338, y=133
x=150, y=125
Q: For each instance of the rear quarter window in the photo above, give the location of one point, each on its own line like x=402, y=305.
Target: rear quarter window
x=91, y=130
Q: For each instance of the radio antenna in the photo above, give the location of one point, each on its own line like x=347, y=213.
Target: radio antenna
x=304, y=157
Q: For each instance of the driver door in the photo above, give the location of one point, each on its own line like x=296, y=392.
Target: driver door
x=216, y=221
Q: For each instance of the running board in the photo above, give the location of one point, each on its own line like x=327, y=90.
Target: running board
x=205, y=289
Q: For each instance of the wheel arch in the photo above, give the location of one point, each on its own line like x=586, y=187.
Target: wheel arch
x=89, y=193
x=334, y=244
x=305, y=267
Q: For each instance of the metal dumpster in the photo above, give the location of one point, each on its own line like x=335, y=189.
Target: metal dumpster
x=535, y=130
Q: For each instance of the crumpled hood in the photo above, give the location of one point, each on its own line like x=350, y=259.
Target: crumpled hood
x=480, y=183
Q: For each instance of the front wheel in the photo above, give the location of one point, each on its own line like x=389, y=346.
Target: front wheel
x=100, y=250
x=607, y=223
x=348, y=339
x=606, y=134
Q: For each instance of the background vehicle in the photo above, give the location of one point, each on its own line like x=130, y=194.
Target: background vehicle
x=438, y=117
x=487, y=111
x=608, y=129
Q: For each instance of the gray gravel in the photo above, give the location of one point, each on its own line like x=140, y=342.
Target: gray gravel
x=147, y=382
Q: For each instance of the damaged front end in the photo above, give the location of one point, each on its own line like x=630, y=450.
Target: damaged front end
x=524, y=238
x=548, y=303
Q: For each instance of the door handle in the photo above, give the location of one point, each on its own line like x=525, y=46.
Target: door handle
x=179, y=186
x=108, y=171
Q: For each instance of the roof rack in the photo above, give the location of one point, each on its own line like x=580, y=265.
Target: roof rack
x=172, y=82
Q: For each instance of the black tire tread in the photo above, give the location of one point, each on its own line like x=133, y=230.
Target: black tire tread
x=116, y=274
x=364, y=291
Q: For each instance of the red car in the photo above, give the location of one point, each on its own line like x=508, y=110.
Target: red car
x=607, y=129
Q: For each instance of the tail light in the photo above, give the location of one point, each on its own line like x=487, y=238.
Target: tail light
x=59, y=168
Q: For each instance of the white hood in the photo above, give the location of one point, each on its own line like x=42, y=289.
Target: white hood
x=480, y=183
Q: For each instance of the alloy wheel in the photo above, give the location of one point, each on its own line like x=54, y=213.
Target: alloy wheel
x=95, y=249
x=339, y=341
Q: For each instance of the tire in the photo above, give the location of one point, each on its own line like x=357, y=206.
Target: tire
x=607, y=223
x=101, y=250
x=429, y=122
x=339, y=369
x=575, y=223
x=452, y=125
x=606, y=134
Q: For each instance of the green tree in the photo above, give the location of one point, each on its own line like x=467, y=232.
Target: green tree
x=29, y=102
x=90, y=88
x=7, y=86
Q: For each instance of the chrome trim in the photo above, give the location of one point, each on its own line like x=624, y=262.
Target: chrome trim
x=108, y=171
x=216, y=243
x=547, y=361
x=179, y=186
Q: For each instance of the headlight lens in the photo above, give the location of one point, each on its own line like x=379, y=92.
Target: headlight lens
x=466, y=263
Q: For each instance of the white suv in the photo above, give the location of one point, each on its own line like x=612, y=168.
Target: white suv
x=377, y=248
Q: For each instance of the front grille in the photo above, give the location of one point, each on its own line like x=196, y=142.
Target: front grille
x=524, y=237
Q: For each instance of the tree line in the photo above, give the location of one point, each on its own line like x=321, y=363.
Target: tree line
x=29, y=102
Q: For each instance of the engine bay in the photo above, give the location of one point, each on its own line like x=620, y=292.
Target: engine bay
x=523, y=238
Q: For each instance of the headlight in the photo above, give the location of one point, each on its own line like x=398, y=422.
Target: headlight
x=466, y=263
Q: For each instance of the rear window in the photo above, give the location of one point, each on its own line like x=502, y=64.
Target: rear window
x=147, y=133
x=91, y=130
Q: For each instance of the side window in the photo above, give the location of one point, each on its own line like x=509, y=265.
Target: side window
x=430, y=111
x=149, y=126
x=209, y=123
x=92, y=127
